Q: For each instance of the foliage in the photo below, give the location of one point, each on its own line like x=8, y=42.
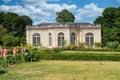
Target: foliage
x=1, y=17
x=98, y=44
x=2, y=31
x=81, y=56
x=15, y=23
x=97, y=50
x=112, y=45
x=110, y=21
x=65, y=16
x=99, y=20
x=32, y=57
x=9, y=40
x=81, y=45
x=52, y=50
x=71, y=47
x=119, y=46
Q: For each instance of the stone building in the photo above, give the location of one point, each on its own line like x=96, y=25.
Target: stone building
x=62, y=34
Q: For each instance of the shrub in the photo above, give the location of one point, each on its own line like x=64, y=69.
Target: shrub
x=98, y=44
x=97, y=50
x=81, y=56
x=71, y=47
x=119, y=46
x=81, y=45
x=112, y=45
x=32, y=57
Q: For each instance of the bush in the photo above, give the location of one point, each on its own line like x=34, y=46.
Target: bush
x=112, y=45
x=81, y=45
x=32, y=57
x=97, y=50
x=81, y=56
x=71, y=47
x=98, y=44
x=119, y=46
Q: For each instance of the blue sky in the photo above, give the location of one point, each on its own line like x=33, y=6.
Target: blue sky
x=45, y=10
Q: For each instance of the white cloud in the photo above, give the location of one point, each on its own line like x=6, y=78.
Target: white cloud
x=38, y=10
x=6, y=1
x=17, y=9
x=91, y=10
x=41, y=11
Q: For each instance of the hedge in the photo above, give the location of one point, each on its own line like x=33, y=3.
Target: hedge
x=81, y=56
x=102, y=50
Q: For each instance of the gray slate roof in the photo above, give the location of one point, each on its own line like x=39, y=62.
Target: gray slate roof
x=68, y=24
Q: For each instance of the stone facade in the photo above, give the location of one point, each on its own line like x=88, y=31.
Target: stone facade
x=62, y=34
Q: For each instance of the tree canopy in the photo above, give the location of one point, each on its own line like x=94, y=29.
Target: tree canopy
x=110, y=21
x=14, y=26
x=15, y=23
x=64, y=16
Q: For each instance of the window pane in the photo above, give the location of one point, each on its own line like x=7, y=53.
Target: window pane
x=60, y=39
x=89, y=39
x=36, y=39
x=50, y=41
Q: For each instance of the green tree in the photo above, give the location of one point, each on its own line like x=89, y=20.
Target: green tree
x=99, y=20
x=65, y=16
x=1, y=17
x=10, y=40
x=110, y=24
x=27, y=20
x=2, y=31
x=15, y=23
x=10, y=21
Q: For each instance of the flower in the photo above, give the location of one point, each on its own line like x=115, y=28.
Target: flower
x=15, y=50
x=5, y=53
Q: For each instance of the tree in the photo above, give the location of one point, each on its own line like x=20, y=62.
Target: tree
x=15, y=23
x=10, y=21
x=10, y=40
x=65, y=16
x=110, y=24
x=99, y=20
x=1, y=17
x=2, y=31
x=27, y=20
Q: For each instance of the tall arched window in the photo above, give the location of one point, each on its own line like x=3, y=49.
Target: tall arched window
x=73, y=38
x=89, y=39
x=36, y=39
x=61, y=39
x=50, y=39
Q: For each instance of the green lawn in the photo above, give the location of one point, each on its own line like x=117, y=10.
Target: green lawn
x=63, y=70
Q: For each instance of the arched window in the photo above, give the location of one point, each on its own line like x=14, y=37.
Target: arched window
x=73, y=38
x=50, y=39
x=89, y=39
x=60, y=39
x=36, y=39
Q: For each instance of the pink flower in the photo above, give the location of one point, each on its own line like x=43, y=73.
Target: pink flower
x=15, y=51
x=1, y=50
x=5, y=53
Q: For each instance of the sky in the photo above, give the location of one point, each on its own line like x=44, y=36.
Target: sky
x=41, y=11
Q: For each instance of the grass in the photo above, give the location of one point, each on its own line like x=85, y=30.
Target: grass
x=63, y=70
